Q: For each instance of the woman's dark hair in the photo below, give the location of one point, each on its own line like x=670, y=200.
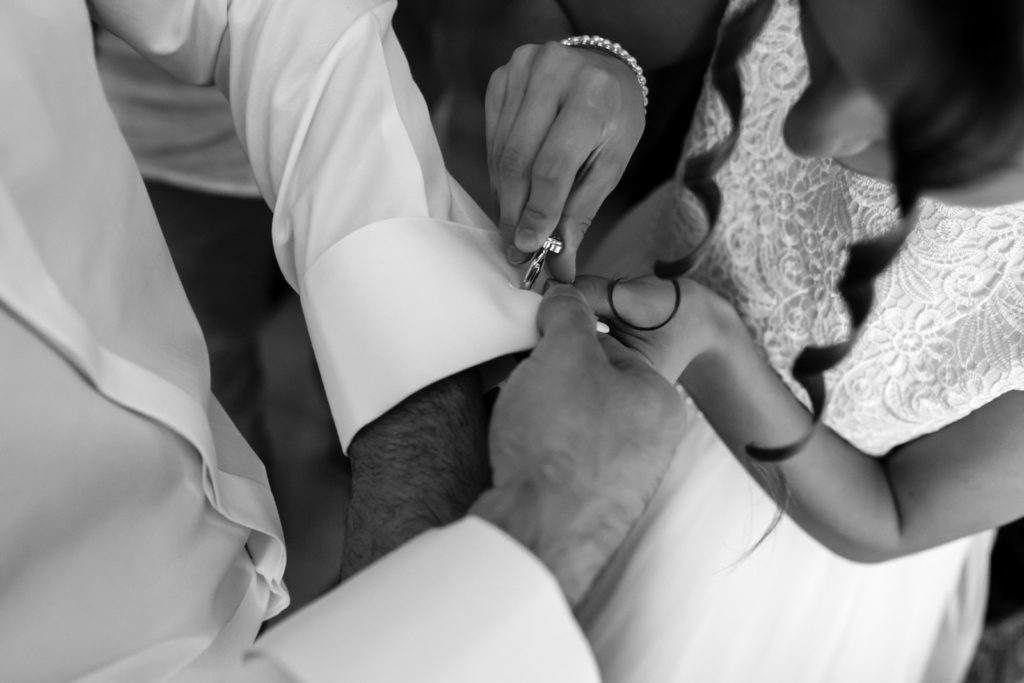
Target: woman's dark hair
x=963, y=117
x=697, y=175
x=962, y=120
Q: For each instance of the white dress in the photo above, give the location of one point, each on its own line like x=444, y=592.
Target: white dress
x=684, y=601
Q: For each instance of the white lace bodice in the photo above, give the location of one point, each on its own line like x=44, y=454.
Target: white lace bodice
x=946, y=334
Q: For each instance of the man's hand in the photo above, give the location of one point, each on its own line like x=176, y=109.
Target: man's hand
x=562, y=123
x=580, y=437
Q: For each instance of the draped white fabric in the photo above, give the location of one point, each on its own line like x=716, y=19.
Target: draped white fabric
x=138, y=537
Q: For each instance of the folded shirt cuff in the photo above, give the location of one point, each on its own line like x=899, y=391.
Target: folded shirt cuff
x=465, y=603
x=405, y=302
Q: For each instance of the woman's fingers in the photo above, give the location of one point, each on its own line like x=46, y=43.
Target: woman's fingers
x=554, y=184
x=591, y=189
x=523, y=196
x=502, y=103
x=561, y=126
x=494, y=104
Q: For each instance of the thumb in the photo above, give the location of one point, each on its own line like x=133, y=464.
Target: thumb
x=626, y=359
x=594, y=290
x=564, y=316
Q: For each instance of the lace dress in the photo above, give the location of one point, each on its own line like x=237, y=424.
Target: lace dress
x=685, y=601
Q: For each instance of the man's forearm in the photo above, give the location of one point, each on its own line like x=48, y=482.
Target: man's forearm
x=420, y=465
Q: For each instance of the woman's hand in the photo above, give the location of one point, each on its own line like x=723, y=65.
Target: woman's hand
x=562, y=123
x=697, y=327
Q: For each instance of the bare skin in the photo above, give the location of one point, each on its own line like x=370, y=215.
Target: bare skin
x=961, y=480
x=570, y=489
x=562, y=123
x=965, y=478
x=420, y=465
x=405, y=478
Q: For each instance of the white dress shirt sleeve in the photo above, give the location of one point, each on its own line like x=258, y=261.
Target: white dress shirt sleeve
x=402, y=278
x=419, y=614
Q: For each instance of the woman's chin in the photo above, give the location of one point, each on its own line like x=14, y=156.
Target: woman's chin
x=874, y=162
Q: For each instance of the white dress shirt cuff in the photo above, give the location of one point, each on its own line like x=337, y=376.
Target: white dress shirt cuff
x=414, y=300
x=462, y=604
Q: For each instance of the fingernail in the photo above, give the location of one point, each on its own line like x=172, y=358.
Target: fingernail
x=516, y=257
x=551, y=282
x=602, y=328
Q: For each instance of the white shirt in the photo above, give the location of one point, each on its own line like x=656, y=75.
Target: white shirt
x=138, y=537
x=179, y=133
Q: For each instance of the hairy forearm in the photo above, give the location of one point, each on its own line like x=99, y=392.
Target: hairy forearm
x=418, y=466
x=838, y=494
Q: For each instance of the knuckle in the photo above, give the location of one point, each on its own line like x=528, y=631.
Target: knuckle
x=523, y=55
x=538, y=214
x=512, y=164
x=506, y=229
x=577, y=225
x=596, y=77
x=551, y=51
x=614, y=168
x=497, y=79
x=600, y=94
x=549, y=169
x=564, y=303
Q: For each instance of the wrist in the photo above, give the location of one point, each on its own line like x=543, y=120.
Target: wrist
x=727, y=358
x=723, y=336
x=725, y=330
x=713, y=328
x=615, y=50
x=541, y=518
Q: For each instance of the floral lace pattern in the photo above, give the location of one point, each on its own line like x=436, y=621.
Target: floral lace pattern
x=946, y=335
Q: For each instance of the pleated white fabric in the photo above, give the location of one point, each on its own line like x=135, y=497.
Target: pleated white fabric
x=138, y=537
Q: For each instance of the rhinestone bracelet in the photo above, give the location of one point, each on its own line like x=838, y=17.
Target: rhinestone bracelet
x=614, y=49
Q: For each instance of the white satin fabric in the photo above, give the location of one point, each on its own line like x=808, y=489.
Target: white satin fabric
x=138, y=537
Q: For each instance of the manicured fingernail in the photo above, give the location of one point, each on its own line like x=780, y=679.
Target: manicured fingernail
x=516, y=257
x=602, y=328
x=551, y=282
